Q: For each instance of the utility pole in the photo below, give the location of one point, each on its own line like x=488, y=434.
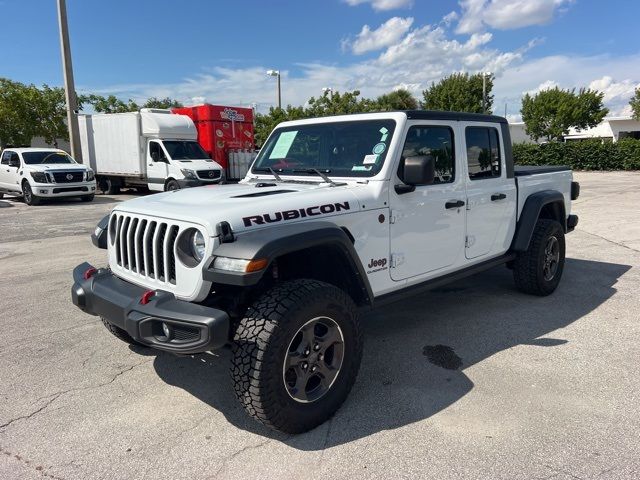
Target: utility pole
x=69, y=85
x=484, y=92
x=276, y=73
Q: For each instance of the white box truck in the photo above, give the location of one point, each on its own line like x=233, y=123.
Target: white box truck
x=151, y=148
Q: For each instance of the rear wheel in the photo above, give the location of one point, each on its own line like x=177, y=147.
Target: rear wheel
x=538, y=270
x=108, y=186
x=296, y=355
x=27, y=194
x=119, y=332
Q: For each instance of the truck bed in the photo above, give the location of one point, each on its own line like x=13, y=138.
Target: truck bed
x=523, y=170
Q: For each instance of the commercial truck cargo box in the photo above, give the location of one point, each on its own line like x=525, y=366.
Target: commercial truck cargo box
x=221, y=129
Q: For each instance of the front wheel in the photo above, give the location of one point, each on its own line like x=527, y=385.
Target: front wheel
x=296, y=355
x=118, y=332
x=27, y=194
x=171, y=185
x=538, y=270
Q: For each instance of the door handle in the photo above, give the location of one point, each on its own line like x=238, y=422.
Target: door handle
x=498, y=196
x=150, y=164
x=454, y=204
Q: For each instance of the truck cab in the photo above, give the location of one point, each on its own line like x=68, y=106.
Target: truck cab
x=336, y=216
x=39, y=173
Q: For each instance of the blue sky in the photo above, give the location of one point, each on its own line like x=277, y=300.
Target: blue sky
x=218, y=51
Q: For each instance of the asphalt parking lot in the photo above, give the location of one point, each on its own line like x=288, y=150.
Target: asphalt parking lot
x=527, y=388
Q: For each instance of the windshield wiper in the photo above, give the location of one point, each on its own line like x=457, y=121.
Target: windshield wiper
x=317, y=172
x=271, y=171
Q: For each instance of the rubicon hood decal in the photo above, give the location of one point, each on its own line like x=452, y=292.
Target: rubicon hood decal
x=296, y=213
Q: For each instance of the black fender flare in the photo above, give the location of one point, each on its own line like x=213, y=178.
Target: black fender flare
x=531, y=212
x=271, y=243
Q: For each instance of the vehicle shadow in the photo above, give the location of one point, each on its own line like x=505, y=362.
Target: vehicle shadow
x=416, y=350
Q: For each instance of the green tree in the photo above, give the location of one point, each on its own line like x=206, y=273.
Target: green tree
x=110, y=104
x=265, y=123
x=460, y=92
x=400, y=99
x=635, y=104
x=166, y=102
x=19, y=115
x=52, y=112
x=551, y=113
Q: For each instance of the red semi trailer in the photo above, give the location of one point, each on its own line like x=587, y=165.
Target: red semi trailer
x=221, y=129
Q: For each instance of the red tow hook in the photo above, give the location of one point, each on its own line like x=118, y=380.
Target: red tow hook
x=89, y=272
x=146, y=297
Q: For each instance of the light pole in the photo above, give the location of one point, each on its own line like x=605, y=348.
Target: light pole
x=484, y=91
x=69, y=87
x=329, y=90
x=276, y=73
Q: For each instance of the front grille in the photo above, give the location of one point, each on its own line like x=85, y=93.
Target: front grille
x=68, y=177
x=145, y=247
x=209, y=174
x=70, y=189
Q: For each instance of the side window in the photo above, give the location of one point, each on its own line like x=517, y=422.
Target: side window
x=155, y=151
x=5, y=158
x=483, y=152
x=435, y=141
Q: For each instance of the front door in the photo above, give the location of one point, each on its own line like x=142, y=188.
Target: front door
x=427, y=229
x=157, y=166
x=8, y=173
x=490, y=196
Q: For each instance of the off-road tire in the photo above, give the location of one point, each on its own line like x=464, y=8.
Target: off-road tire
x=528, y=267
x=119, y=332
x=262, y=340
x=171, y=185
x=27, y=194
x=87, y=198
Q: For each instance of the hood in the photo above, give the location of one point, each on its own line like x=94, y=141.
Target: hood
x=38, y=167
x=200, y=164
x=248, y=206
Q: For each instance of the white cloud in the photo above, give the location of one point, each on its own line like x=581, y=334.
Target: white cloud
x=506, y=14
x=385, y=35
x=383, y=5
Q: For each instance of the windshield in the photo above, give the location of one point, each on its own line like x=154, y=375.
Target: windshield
x=46, y=158
x=185, y=150
x=343, y=149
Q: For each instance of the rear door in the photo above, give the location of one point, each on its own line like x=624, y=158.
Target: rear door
x=427, y=229
x=491, y=196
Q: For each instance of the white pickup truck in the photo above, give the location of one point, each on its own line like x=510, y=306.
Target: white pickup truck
x=37, y=173
x=336, y=216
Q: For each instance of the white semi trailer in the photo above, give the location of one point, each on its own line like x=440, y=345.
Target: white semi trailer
x=151, y=148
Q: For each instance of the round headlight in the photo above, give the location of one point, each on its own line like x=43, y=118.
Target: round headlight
x=197, y=245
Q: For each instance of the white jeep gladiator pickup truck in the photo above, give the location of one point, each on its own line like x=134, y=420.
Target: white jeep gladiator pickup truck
x=37, y=173
x=337, y=215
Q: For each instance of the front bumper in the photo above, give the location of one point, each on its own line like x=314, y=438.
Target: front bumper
x=194, y=328
x=192, y=182
x=54, y=190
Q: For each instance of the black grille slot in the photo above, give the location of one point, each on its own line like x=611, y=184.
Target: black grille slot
x=209, y=174
x=148, y=239
x=140, y=247
x=171, y=241
x=123, y=242
x=68, y=177
x=131, y=246
x=159, y=250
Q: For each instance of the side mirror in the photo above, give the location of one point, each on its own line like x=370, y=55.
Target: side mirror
x=14, y=162
x=419, y=170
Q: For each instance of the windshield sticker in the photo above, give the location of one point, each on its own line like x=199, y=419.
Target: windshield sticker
x=379, y=148
x=385, y=134
x=283, y=144
x=370, y=159
x=361, y=168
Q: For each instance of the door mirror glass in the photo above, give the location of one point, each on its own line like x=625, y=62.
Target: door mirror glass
x=419, y=170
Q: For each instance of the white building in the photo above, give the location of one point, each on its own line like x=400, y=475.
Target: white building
x=611, y=128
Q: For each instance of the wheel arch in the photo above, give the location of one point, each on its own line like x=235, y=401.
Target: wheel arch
x=547, y=204
x=314, y=250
